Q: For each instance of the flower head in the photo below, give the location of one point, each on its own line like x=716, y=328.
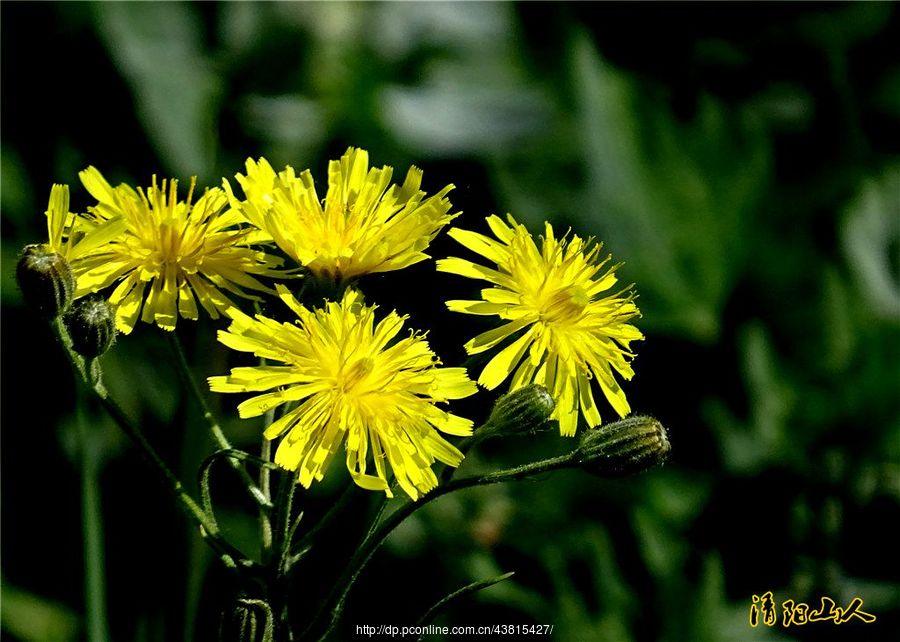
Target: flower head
x=177, y=252
x=46, y=280
x=625, y=447
x=569, y=332
x=91, y=324
x=45, y=272
x=355, y=385
x=365, y=225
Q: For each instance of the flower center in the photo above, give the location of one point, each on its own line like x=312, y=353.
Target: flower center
x=168, y=246
x=348, y=378
x=563, y=306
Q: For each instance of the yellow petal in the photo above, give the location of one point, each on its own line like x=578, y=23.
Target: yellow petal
x=97, y=186
x=586, y=397
x=480, y=244
x=263, y=403
x=487, y=340
x=500, y=295
x=566, y=402
x=165, y=305
x=187, y=305
x=612, y=391
x=462, y=267
x=477, y=307
x=128, y=310
x=503, y=364
x=277, y=427
x=57, y=213
x=450, y=424
x=452, y=383
x=500, y=229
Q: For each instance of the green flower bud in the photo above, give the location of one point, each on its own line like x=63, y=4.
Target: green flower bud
x=526, y=410
x=46, y=280
x=631, y=445
x=91, y=324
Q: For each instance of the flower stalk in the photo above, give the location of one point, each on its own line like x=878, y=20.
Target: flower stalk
x=92, y=530
x=637, y=444
x=229, y=555
x=334, y=603
x=184, y=371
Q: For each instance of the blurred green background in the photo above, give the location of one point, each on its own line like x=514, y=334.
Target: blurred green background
x=742, y=160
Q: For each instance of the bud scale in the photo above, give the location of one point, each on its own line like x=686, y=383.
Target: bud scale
x=91, y=324
x=46, y=280
x=631, y=445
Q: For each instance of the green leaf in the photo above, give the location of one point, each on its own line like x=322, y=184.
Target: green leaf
x=871, y=232
x=468, y=589
x=840, y=336
x=715, y=619
x=747, y=446
x=509, y=594
x=601, y=612
x=671, y=199
x=462, y=109
x=663, y=550
x=157, y=49
x=34, y=619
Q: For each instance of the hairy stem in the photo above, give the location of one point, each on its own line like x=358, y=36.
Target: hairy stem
x=208, y=529
x=190, y=382
x=92, y=527
x=334, y=603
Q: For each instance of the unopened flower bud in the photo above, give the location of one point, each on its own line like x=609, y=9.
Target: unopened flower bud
x=526, y=410
x=46, y=280
x=631, y=445
x=91, y=324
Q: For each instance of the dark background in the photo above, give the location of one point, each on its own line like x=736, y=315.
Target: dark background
x=743, y=160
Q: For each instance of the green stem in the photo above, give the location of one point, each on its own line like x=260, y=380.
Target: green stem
x=283, y=523
x=205, y=470
x=92, y=526
x=474, y=587
x=336, y=509
x=208, y=530
x=335, y=600
x=187, y=377
x=464, y=446
x=75, y=359
x=184, y=371
x=281, y=519
x=265, y=487
x=265, y=453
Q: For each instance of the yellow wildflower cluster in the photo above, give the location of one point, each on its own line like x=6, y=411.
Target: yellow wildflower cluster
x=337, y=375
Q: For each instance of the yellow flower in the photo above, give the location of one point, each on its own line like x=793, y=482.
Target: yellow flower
x=353, y=387
x=366, y=225
x=58, y=219
x=74, y=236
x=46, y=272
x=572, y=334
x=172, y=250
